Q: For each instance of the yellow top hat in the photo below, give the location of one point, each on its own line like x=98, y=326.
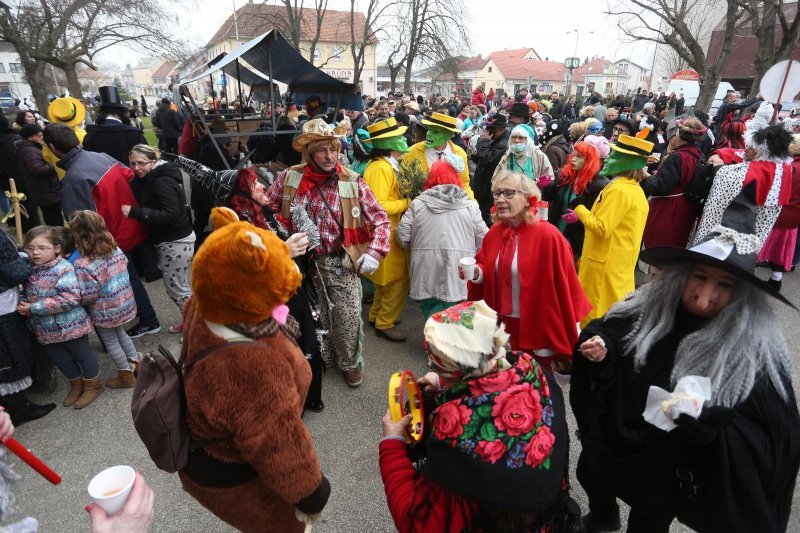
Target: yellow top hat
x=383, y=129
x=315, y=130
x=66, y=110
x=634, y=145
x=440, y=120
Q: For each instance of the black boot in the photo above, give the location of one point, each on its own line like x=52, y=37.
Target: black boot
x=23, y=410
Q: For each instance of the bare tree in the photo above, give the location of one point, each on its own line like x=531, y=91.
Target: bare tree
x=395, y=62
x=66, y=33
x=19, y=28
x=363, y=37
x=671, y=59
x=296, y=22
x=667, y=22
x=431, y=26
x=764, y=17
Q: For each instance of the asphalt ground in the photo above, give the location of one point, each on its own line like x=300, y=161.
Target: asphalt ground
x=78, y=444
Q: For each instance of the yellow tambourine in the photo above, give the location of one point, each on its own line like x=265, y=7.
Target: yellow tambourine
x=405, y=398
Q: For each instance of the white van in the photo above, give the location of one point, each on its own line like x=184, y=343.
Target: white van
x=691, y=88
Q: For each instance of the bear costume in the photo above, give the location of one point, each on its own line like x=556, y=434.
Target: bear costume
x=260, y=471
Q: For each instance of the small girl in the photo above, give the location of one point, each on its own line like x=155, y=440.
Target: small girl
x=60, y=323
x=106, y=292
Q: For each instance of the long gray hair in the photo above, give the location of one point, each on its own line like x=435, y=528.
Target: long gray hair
x=732, y=349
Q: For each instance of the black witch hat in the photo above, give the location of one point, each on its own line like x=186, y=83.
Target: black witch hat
x=732, y=246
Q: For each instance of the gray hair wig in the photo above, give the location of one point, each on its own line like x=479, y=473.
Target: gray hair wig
x=733, y=349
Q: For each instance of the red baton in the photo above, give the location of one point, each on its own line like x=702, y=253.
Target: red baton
x=34, y=462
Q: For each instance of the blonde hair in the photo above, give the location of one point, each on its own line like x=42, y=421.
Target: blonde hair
x=577, y=130
x=523, y=184
x=91, y=235
x=145, y=150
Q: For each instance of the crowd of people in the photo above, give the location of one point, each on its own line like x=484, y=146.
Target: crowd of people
x=518, y=225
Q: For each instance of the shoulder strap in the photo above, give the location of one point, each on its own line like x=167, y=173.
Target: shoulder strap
x=205, y=353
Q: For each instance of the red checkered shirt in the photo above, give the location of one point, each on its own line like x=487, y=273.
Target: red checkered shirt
x=374, y=215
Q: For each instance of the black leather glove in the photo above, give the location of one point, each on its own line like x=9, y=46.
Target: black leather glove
x=705, y=429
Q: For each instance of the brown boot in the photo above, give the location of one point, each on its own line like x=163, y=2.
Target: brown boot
x=124, y=380
x=92, y=388
x=75, y=389
x=392, y=334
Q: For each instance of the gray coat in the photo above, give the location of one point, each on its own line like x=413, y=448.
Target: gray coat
x=441, y=226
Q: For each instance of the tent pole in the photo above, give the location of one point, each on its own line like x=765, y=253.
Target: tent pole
x=338, y=102
x=208, y=132
x=239, y=85
x=271, y=91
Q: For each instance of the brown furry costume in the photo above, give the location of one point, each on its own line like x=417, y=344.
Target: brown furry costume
x=254, y=392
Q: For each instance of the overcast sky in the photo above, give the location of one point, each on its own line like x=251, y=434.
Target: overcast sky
x=492, y=25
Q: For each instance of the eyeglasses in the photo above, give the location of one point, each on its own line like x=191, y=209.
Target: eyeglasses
x=31, y=249
x=508, y=194
x=619, y=130
x=135, y=164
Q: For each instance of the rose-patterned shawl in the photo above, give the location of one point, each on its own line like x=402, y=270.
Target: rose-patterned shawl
x=502, y=437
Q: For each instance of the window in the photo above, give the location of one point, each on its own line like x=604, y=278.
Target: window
x=337, y=53
x=490, y=69
x=16, y=68
x=316, y=53
x=2, y=68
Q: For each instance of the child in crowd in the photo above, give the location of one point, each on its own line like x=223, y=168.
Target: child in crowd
x=106, y=292
x=60, y=323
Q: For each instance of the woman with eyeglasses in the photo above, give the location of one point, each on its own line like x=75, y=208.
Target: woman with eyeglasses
x=162, y=209
x=524, y=271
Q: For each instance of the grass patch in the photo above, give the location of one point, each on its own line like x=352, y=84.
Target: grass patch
x=149, y=136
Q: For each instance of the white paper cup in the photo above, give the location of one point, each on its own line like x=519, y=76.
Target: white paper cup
x=468, y=267
x=110, y=488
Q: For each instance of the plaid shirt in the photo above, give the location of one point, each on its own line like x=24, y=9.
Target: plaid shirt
x=375, y=217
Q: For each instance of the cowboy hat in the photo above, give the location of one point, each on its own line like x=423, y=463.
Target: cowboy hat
x=66, y=110
x=412, y=105
x=383, y=129
x=315, y=130
x=440, y=120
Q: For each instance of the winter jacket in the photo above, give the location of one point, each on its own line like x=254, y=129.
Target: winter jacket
x=55, y=297
x=14, y=270
x=106, y=290
x=361, y=122
x=41, y=180
x=114, y=138
x=98, y=182
x=489, y=153
x=557, y=149
x=478, y=97
x=52, y=158
x=556, y=109
x=441, y=226
x=162, y=204
x=569, y=112
x=167, y=120
x=9, y=165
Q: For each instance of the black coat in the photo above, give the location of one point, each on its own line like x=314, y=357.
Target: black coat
x=41, y=180
x=561, y=198
x=743, y=479
x=168, y=121
x=15, y=357
x=489, y=153
x=162, y=205
x=556, y=109
x=9, y=166
x=569, y=112
x=113, y=138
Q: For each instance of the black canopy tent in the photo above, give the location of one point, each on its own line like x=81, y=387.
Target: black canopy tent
x=264, y=60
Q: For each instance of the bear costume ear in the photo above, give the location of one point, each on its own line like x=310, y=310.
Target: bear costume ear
x=250, y=250
x=222, y=216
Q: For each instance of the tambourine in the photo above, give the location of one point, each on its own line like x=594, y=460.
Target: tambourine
x=405, y=398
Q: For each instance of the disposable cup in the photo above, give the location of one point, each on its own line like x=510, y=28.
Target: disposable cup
x=468, y=267
x=110, y=488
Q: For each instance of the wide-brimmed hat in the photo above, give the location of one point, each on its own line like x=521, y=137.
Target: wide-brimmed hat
x=440, y=120
x=519, y=109
x=732, y=246
x=498, y=120
x=412, y=105
x=66, y=110
x=630, y=145
x=386, y=128
x=110, y=100
x=315, y=130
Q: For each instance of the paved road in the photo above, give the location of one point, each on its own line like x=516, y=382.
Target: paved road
x=77, y=444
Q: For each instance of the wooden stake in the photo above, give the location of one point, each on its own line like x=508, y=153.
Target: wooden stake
x=17, y=215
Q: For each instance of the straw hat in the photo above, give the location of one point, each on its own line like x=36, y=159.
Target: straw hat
x=315, y=130
x=440, y=120
x=67, y=110
x=385, y=128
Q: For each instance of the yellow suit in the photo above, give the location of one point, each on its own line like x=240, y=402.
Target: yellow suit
x=614, y=229
x=418, y=152
x=51, y=158
x=391, y=279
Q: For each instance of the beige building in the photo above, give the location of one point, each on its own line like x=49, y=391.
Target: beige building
x=333, y=50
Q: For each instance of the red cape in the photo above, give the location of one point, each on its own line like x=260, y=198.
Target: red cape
x=552, y=301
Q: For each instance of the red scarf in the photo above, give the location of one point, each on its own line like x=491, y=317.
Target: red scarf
x=507, y=250
x=763, y=173
x=312, y=178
